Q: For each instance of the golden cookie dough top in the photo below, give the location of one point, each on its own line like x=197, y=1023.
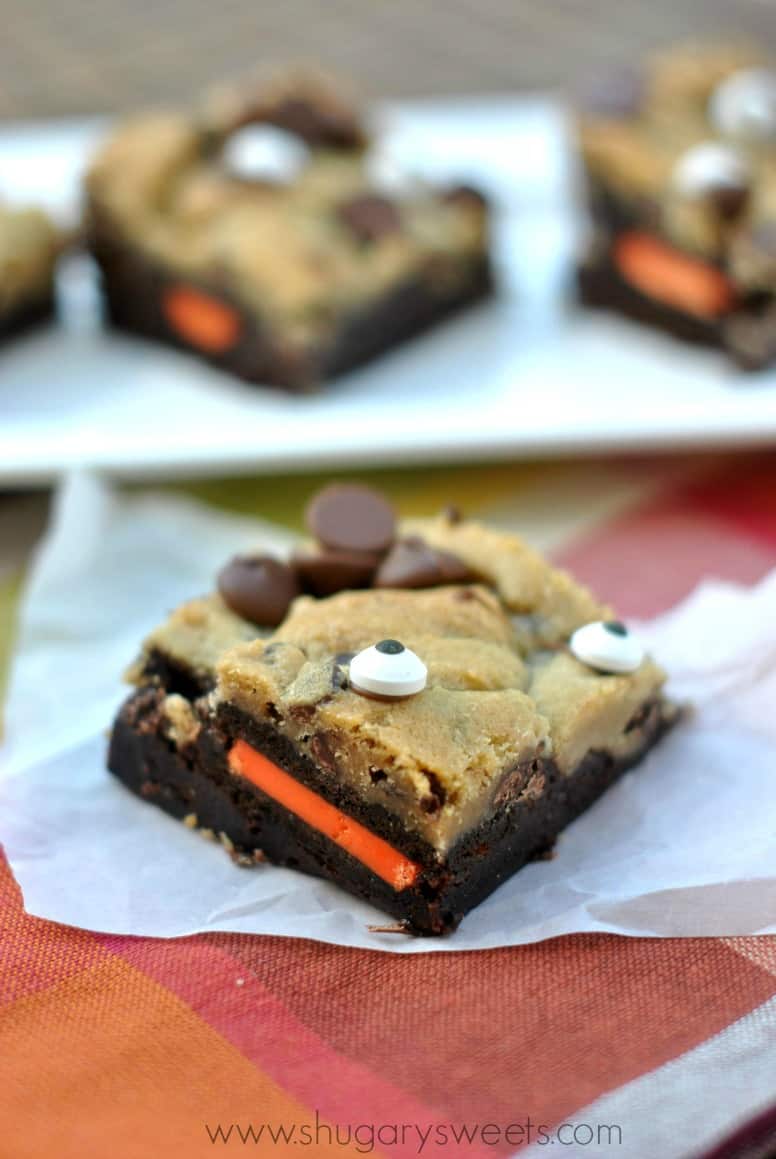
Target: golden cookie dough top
x=193, y=636
x=438, y=758
x=283, y=248
x=634, y=152
x=548, y=602
x=29, y=246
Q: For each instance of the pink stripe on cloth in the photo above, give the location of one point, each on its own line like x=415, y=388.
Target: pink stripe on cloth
x=647, y=561
x=257, y=1023
x=743, y=496
x=35, y=954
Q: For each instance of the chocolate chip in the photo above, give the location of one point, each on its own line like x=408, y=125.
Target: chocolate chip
x=370, y=216
x=512, y=783
x=452, y=514
x=348, y=517
x=453, y=568
x=325, y=572
x=339, y=670
x=411, y=563
x=258, y=588
x=616, y=627
x=465, y=195
x=318, y=119
x=322, y=753
x=318, y=123
x=433, y=801
x=729, y=201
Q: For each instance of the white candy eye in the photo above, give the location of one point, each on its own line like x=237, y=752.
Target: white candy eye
x=607, y=646
x=388, y=669
x=744, y=105
x=264, y=153
x=708, y=168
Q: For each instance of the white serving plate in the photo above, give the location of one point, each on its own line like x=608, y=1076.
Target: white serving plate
x=523, y=376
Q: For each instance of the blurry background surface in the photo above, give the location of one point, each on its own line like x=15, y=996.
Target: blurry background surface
x=84, y=57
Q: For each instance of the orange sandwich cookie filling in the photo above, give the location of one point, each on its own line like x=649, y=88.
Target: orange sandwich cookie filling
x=415, y=739
x=666, y=274
x=376, y=854
x=201, y=320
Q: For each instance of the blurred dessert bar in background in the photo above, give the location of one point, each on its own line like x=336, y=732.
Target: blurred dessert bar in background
x=680, y=162
x=29, y=247
x=251, y=231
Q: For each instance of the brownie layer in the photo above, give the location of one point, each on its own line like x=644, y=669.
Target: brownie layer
x=174, y=676
x=135, y=288
x=600, y=284
x=535, y=803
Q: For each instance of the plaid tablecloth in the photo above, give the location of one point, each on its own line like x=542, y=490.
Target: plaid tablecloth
x=588, y=1045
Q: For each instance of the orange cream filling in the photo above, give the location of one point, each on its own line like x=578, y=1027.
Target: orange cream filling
x=200, y=320
x=366, y=847
x=667, y=275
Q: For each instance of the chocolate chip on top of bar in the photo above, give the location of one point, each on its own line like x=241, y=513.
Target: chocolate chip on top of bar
x=361, y=544
x=302, y=102
x=358, y=545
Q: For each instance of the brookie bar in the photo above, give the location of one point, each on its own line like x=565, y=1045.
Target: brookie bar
x=680, y=163
x=252, y=232
x=415, y=738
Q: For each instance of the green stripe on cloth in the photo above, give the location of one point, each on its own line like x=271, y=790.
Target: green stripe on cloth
x=282, y=498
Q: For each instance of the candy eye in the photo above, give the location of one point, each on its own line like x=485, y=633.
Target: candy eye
x=743, y=106
x=387, y=669
x=607, y=646
x=710, y=167
x=264, y=153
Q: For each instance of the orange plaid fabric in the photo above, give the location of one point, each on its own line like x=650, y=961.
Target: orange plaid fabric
x=136, y=1047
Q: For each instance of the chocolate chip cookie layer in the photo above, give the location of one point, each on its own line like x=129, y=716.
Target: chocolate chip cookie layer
x=414, y=744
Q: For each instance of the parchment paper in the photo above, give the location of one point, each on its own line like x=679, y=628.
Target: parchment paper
x=683, y=846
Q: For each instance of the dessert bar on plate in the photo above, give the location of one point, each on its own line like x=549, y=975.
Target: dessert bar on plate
x=251, y=231
x=680, y=162
x=409, y=710
x=29, y=248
